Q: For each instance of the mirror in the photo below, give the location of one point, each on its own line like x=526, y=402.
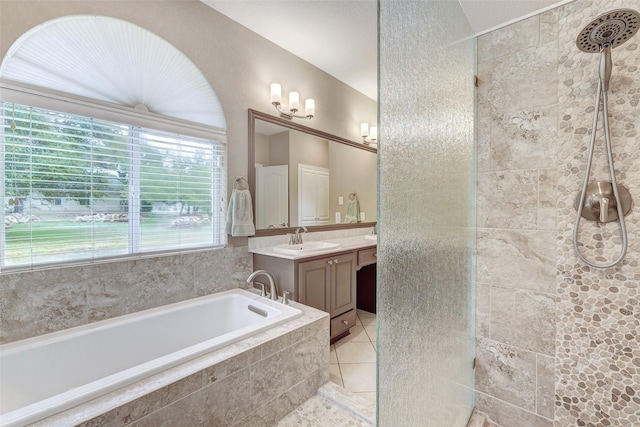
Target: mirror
x=302, y=176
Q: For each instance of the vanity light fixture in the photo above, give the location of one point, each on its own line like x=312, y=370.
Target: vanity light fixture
x=368, y=132
x=294, y=104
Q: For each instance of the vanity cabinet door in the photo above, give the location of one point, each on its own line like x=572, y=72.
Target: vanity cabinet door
x=314, y=284
x=343, y=284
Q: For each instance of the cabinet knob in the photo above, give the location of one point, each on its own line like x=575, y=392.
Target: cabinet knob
x=345, y=322
x=335, y=261
x=330, y=262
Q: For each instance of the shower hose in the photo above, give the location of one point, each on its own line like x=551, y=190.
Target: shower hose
x=601, y=95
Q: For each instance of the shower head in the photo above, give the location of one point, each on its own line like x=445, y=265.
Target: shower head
x=612, y=28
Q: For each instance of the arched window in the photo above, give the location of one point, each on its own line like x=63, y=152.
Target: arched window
x=114, y=145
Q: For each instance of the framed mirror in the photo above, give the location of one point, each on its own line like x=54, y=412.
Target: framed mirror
x=302, y=176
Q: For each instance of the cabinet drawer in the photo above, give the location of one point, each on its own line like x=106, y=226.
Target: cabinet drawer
x=343, y=322
x=367, y=256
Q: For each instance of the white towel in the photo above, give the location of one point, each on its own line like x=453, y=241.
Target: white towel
x=353, y=211
x=240, y=214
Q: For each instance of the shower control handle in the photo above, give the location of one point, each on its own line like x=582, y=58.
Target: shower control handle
x=604, y=209
x=600, y=202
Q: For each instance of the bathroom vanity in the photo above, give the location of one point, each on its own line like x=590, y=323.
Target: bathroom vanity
x=326, y=279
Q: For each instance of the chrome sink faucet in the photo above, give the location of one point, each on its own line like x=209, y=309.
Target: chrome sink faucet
x=296, y=239
x=272, y=282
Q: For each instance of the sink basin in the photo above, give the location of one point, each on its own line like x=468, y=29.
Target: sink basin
x=305, y=247
x=371, y=237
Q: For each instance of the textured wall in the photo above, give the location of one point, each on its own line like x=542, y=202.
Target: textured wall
x=517, y=122
x=240, y=65
x=598, y=312
x=557, y=341
x=426, y=215
x=38, y=302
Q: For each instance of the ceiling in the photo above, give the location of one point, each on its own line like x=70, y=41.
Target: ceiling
x=340, y=36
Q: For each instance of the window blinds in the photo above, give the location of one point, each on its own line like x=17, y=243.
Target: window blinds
x=79, y=188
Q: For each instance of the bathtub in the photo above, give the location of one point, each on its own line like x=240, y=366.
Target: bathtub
x=45, y=375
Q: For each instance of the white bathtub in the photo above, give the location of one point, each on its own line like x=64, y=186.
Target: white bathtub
x=44, y=375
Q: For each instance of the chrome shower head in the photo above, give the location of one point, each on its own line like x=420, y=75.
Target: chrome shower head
x=612, y=28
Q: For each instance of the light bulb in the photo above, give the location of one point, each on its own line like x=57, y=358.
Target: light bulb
x=309, y=107
x=276, y=93
x=294, y=101
x=364, y=129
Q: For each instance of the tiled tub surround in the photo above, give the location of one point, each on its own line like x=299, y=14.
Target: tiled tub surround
x=38, y=302
x=254, y=382
x=44, y=375
x=557, y=342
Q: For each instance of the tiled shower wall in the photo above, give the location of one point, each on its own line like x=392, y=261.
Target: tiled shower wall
x=38, y=302
x=557, y=342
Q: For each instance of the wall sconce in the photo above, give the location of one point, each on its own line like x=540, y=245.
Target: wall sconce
x=294, y=104
x=371, y=133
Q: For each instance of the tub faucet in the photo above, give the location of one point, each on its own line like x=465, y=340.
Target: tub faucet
x=272, y=282
x=296, y=239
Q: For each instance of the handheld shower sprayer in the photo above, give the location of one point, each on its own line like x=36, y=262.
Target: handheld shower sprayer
x=605, y=66
x=606, y=201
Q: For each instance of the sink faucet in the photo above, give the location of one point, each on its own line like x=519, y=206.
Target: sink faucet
x=272, y=282
x=296, y=239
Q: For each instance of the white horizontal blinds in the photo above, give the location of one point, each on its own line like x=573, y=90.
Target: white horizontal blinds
x=62, y=182
x=72, y=191
x=178, y=179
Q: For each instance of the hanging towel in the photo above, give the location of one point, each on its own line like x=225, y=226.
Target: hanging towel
x=353, y=210
x=240, y=214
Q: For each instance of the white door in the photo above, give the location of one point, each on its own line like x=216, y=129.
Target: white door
x=322, y=198
x=313, y=195
x=272, y=196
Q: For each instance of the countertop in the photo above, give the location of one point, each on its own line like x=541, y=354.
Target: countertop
x=346, y=244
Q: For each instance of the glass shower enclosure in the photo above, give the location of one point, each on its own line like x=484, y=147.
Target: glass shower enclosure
x=426, y=261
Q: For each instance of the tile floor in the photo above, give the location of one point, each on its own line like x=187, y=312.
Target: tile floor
x=320, y=411
x=352, y=363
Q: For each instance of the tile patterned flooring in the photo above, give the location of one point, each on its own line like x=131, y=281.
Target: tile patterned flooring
x=320, y=411
x=352, y=362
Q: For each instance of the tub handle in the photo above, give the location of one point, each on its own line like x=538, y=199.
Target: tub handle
x=285, y=297
x=263, y=293
x=257, y=310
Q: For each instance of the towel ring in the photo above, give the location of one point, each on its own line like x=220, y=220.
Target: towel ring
x=353, y=196
x=238, y=182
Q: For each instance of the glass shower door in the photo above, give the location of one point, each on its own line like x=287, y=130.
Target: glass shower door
x=426, y=263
